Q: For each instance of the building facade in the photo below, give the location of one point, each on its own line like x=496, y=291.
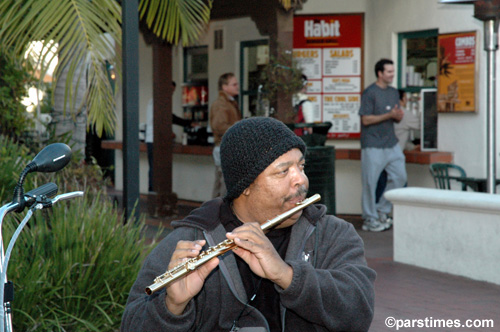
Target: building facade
x=232, y=45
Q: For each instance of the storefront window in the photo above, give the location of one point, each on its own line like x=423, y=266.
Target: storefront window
x=195, y=94
x=418, y=60
x=418, y=73
x=195, y=63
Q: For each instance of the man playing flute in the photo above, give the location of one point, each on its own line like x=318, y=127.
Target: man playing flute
x=308, y=273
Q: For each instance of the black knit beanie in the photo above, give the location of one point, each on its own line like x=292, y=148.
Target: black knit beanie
x=249, y=147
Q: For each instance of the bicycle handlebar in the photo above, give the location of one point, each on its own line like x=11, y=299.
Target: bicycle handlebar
x=47, y=190
x=44, y=203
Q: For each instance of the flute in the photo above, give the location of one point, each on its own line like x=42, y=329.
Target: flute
x=192, y=264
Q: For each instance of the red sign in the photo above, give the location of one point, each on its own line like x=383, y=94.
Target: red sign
x=328, y=31
x=328, y=48
x=458, y=48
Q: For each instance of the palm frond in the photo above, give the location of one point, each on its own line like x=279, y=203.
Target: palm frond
x=77, y=27
x=176, y=20
x=287, y=4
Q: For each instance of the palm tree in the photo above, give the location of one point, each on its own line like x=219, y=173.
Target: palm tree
x=77, y=28
x=88, y=33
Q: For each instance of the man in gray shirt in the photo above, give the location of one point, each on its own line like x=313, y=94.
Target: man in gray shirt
x=379, y=146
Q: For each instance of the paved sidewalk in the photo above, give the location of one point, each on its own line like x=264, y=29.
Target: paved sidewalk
x=407, y=292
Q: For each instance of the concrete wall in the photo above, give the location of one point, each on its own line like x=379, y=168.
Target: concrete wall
x=448, y=231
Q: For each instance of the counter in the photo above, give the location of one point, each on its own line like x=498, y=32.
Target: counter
x=178, y=148
x=412, y=157
x=193, y=172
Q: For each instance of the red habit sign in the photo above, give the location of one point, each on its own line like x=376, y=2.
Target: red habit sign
x=328, y=48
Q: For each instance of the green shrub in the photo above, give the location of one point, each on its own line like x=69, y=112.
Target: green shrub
x=13, y=159
x=77, y=175
x=14, y=80
x=73, y=266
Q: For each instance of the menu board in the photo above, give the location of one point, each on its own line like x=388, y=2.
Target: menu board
x=329, y=49
x=457, y=72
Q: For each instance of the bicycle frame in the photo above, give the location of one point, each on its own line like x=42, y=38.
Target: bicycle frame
x=37, y=199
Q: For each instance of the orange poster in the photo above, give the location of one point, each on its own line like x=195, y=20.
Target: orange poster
x=457, y=72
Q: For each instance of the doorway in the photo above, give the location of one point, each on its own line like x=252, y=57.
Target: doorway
x=254, y=56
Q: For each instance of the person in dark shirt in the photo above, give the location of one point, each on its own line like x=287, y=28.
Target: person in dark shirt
x=380, y=151
x=309, y=273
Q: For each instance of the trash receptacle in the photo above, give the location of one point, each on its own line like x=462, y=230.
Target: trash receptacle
x=320, y=169
x=320, y=163
x=318, y=135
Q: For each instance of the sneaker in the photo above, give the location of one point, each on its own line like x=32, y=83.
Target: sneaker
x=385, y=220
x=373, y=225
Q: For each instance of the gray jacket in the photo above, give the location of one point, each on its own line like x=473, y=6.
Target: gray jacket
x=331, y=290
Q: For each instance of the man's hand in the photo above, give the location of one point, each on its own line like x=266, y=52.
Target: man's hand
x=258, y=252
x=180, y=292
x=397, y=113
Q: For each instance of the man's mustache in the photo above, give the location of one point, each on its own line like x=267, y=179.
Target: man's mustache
x=301, y=192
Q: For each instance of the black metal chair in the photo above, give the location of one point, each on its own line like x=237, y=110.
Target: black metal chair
x=443, y=173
